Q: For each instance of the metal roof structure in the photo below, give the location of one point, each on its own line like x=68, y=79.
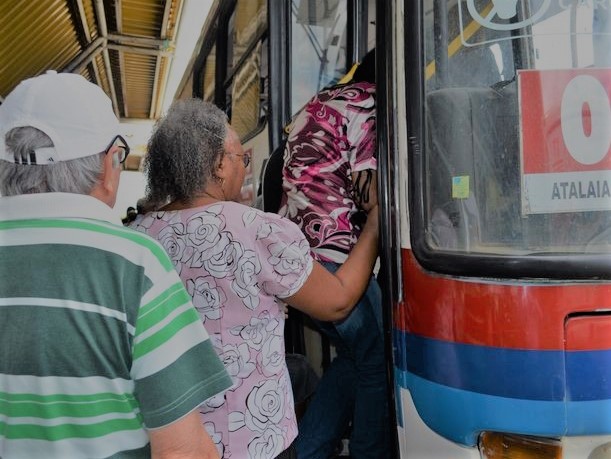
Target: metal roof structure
x=124, y=46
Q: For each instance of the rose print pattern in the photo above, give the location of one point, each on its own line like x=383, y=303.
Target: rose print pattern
x=234, y=260
x=212, y=404
x=264, y=406
x=173, y=241
x=267, y=229
x=237, y=362
x=217, y=438
x=256, y=332
x=288, y=258
x=204, y=228
x=269, y=444
x=143, y=222
x=271, y=359
x=245, y=282
x=224, y=262
x=207, y=297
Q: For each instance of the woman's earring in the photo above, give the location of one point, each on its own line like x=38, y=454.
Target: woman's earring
x=221, y=181
x=223, y=190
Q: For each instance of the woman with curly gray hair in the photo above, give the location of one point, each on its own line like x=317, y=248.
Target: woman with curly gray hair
x=239, y=265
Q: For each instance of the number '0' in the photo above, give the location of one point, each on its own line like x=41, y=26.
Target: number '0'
x=585, y=90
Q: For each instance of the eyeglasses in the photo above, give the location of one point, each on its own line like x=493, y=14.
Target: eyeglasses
x=119, y=142
x=245, y=158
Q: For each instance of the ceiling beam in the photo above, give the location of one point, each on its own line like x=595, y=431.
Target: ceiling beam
x=157, y=85
x=119, y=18
x=81, y=26
x=99, y=8
x=139, y=41
x=83, y=19
x=137, y=50
x=77, y=14
x=154, y=101
x=163, y=85
x=86, y=56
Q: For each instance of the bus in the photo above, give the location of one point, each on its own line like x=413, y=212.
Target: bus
x=494, y=173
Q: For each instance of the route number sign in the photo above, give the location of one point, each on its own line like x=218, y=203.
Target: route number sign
x=565, y=144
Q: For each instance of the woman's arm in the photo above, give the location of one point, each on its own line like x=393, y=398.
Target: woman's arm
x=328, y=296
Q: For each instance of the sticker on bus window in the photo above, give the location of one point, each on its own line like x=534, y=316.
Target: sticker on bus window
x=460, y=187
x=565, y=148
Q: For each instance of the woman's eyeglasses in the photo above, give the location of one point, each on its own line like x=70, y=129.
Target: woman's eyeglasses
x=119, y=142
x=245, y=158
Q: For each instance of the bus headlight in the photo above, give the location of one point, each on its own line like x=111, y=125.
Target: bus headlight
x=497, y=445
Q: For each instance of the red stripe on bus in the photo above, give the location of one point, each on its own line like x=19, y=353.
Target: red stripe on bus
x=492, y=313
x=584, y=333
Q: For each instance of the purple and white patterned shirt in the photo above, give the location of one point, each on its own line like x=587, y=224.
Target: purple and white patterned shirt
x=235, y=261
x=333, y=137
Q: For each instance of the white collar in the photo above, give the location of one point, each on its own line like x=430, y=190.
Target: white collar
x=55, y=205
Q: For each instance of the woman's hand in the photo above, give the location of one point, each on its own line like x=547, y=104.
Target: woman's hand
x=365, y=189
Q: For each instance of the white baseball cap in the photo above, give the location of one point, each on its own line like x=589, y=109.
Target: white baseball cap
x=76, y=115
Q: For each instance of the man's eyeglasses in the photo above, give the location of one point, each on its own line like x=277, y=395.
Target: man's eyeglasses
x=123, y=151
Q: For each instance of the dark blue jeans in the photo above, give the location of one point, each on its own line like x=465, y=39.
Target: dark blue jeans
x=353, y=388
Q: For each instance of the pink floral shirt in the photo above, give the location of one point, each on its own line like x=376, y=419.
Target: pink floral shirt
x=333, y=137
x=235, y=261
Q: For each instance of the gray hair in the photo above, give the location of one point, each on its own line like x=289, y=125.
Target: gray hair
x=184, y=150
x=77, y=176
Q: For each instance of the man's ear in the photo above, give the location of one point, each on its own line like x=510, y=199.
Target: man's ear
x=108, y=183
x=111, y=171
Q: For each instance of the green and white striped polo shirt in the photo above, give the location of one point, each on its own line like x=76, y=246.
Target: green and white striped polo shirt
x=98, y=337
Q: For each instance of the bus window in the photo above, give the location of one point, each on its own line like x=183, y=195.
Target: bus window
x=246, y=63
x=318, y=47
x=500, y=177
x=209, y=76
x=247, y=95
x=248, y=21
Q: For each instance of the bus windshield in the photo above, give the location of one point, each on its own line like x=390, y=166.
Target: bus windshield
x=517, y=148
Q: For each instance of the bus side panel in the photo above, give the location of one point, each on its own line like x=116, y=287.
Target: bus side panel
x=481, y=355
x=417, y=440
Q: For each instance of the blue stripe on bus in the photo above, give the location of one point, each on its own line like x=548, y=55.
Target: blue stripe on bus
x=512, y=373
x=460, y=415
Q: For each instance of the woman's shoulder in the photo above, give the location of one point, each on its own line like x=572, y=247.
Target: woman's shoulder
x=239, y=208
x=263, y=231
x=255, y=218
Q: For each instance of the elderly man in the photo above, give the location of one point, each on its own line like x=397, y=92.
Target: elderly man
x=103, y=353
